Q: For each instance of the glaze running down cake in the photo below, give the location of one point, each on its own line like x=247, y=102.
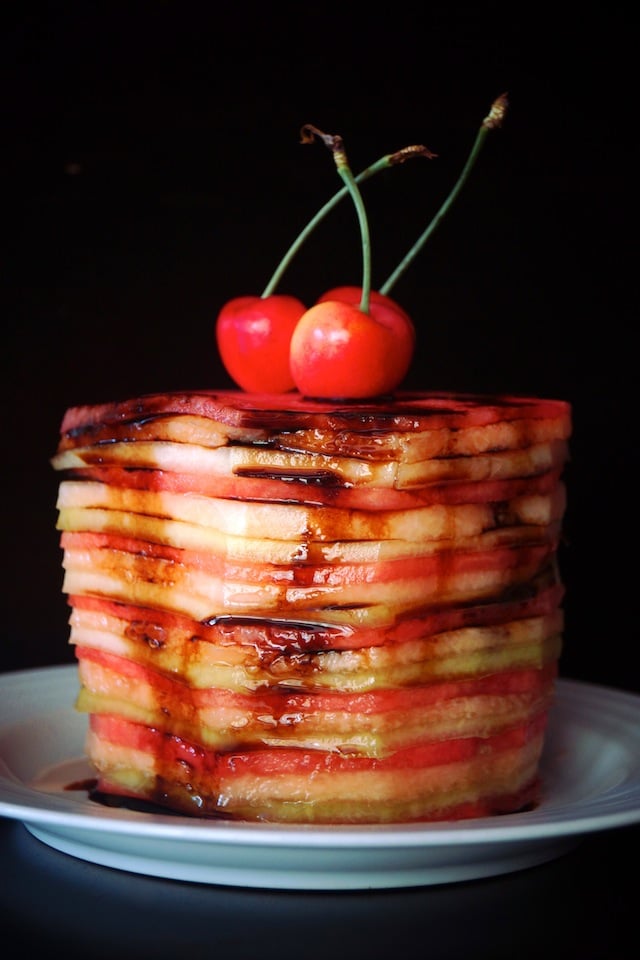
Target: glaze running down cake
x=304, y=611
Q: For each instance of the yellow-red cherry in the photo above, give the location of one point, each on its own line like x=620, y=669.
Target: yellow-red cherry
x=253, y=336
x=338, y=351
x=354, y=295
x=395, y=315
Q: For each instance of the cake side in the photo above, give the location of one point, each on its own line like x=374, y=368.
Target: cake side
x=312, y=612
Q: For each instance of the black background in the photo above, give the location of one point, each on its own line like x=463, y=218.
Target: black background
x=153, y=170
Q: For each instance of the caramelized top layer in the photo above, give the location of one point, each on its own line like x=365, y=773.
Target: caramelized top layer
x=406, y=412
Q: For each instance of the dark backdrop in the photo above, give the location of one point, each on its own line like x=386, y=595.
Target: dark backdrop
x=153, y=170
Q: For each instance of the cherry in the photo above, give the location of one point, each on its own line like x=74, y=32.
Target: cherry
x=253, y=335
x=354, y=295
x=338, y=351
x=364, y=341
x=357, y=347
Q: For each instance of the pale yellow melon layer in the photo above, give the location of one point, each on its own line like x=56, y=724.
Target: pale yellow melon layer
x=425, y=444
x=351, y=797
x=234, y=460
x=84, y=505
x=378, y=445
x=226, y=723
x=469, y=651
x=163, y=584
x=269, y=550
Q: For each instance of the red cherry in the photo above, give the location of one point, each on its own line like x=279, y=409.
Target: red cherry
x=253, y=335
x=337, y=351
x=386, y=311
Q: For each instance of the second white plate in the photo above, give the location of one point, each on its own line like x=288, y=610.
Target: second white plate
x=591, y=774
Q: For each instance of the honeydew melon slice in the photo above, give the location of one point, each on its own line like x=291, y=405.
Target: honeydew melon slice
x=202, y=586
x=373, y=723
x=298, y=491
x=453, y=779
x=467, y=651
x=406, y=447
x=182, y=428
x=150, y=514
x=327, y=470
x=266, y=640
x=190, y=537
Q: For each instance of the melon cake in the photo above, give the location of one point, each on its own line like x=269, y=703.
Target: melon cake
x=307, y=612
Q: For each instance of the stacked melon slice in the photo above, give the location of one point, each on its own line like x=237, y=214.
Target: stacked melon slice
x=305, y=612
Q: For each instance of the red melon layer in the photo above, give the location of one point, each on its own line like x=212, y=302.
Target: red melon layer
x=256, y=784
x=292, y=637
x=409, y=411
x=372, y=724
x=306, y=574
x=195, y=584
x=282, y=703
x=275, y=490
x=168, y=749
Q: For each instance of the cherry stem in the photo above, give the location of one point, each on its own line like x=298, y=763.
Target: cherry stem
x=492, y=121
x=336, y=145
x=384, y=163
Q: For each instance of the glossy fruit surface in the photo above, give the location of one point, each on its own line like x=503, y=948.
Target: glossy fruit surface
x=253, y=335
x=352, y=294
x=337, y=351
x=457, y=413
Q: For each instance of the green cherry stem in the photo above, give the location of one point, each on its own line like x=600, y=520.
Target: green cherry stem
x=336, y=145
x=384, y=163
x=492, y=121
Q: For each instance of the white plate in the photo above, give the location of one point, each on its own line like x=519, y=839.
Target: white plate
x=591, y=775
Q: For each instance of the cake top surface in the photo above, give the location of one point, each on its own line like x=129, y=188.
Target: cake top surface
x=405, y=411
